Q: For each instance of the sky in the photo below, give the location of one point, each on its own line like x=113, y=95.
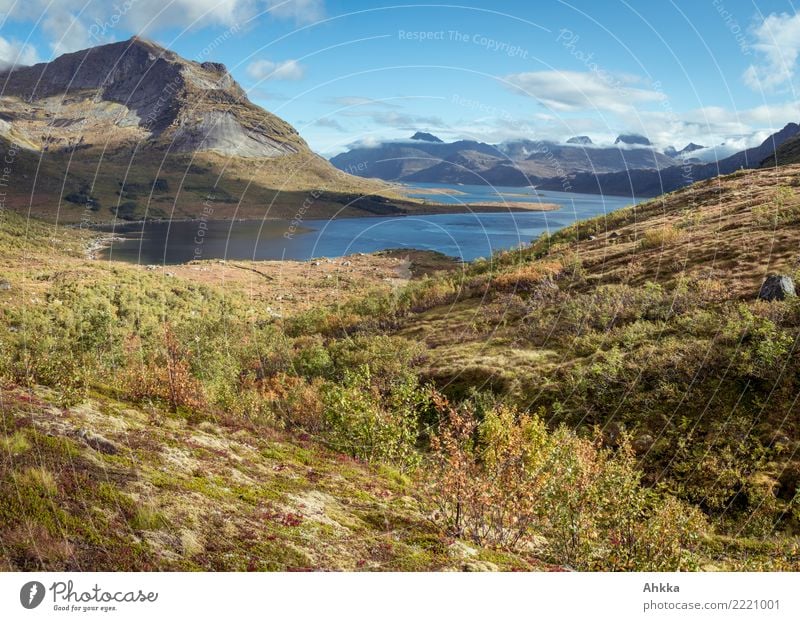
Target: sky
x=720, y=73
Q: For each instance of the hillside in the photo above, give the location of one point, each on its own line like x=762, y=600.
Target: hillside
x=133, y=130
x=787, y=153
x=616, y=393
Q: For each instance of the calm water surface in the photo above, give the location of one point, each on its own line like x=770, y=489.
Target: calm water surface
x=465, y=236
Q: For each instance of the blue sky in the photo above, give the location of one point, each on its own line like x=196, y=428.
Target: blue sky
x=708, y=71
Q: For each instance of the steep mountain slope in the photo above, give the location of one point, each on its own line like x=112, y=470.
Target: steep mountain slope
x=787, y=153
x=133, y=129
x=135, y=90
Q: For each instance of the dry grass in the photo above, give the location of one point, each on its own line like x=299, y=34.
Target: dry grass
x=706, y=229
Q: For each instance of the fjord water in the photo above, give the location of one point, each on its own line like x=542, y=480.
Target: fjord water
x=465, y=236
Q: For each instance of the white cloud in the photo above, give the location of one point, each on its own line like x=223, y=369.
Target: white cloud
x=269, y=70
x=77, y=24
x=14, y=52
x=778, y=46
x=302, y=11
x=568, y=91
x=397, y=120
x=349, y=101
x=329, y=123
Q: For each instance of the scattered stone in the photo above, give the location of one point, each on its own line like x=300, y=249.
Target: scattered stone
x=642, y=443
x=479, y=566
x=5, y=285
x=97, y=442
x=461, y=550
x=591, y=238
x=777, y=287
x=613, y=235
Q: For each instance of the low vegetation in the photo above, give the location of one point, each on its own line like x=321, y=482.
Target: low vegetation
x=603, y=399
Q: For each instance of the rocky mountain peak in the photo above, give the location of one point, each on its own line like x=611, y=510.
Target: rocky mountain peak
x=426, y=137
x=633, y=139
x=135, y=90
x=580, y=140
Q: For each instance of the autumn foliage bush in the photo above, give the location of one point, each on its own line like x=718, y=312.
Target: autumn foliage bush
x=506, y=481
x=164, y=374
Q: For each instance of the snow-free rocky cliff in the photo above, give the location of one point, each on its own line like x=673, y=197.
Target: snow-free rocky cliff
x=136, y=91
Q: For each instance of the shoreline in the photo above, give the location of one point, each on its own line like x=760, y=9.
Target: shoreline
x=437, y=209
x=105, y=234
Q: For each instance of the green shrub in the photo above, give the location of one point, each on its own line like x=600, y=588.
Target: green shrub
x=361, y=422
x=783, y=209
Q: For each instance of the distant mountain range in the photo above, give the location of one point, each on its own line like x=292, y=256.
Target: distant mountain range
x=638, y=182
x=631, y=167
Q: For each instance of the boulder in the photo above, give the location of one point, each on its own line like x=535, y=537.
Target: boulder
x=642, y=443
x=777, y=287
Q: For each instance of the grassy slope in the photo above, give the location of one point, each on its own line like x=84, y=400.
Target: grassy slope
x=182, y=492
x=301, y=185
x=649, y=323
x=165, y=497
x=202, y=495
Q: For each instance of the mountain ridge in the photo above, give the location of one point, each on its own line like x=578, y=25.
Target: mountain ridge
x=632, y=167
x=158, y=135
